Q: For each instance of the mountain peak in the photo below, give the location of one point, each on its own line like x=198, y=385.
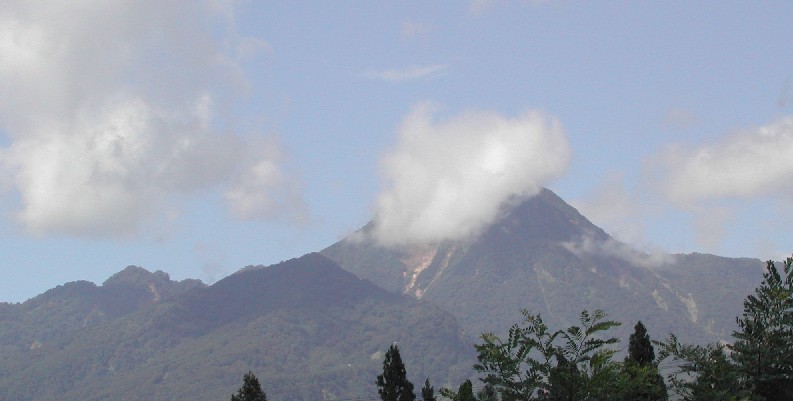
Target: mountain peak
x=541, y=254
x=136, y=275
x=545, y=217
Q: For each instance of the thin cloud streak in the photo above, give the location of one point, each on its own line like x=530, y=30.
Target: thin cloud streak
x=588, y=246
x=411, y=73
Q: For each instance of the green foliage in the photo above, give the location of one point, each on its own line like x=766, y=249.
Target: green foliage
x=640, y=349
x=759, y=365
x=702, y=373
x=326, y=341
x=393, y=384
x=251, y=390
x=763, y=351
x=643, y=381
x=535, y=363
x=487, y=393
x=465, y=392
x=428, y=392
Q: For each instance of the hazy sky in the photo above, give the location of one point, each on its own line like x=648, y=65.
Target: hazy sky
x=198, y=137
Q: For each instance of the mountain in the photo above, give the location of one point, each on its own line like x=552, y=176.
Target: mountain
x=544, y=256
x=78, y=305
x=306, y=327
x=316, y=327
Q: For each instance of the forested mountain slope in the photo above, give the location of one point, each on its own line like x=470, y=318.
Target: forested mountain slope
x=306, y=327
x=543, y=255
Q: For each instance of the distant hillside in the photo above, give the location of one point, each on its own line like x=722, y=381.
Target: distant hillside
x=78, y=305
x=307, y=328
x=543, y=255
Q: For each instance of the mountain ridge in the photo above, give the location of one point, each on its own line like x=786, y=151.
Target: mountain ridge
x=543, y=255
x=307, y=327
x=316, y=326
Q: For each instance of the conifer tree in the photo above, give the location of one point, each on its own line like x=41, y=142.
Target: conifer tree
x=466, y=392
x=640, y=349
x=644, y=381
x=764, y=347
x=393, y=384
x=428, y=392
x=251, y=390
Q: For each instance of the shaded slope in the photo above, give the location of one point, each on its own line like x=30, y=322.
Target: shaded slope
x=307, y=328
x=75, y=306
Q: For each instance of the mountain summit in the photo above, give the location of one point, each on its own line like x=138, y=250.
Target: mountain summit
x=543, y=255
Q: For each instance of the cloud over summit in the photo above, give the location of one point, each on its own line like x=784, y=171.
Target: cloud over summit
x=112, y=110
x=449, y=179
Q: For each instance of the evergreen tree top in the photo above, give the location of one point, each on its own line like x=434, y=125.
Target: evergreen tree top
x=640, y=349
x=251, y=390
x=393, y=384
x=428, y=392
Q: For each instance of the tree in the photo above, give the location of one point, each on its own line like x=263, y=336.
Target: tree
x=759, y=366
x=251, y=390
x=487, y=393
x=464, y=393
x=640, y=349
x=564, y=381
x=704, y=373
x=763, y=351
x=393, y=384
x=643, y=381
x=517, y=367
x=535, y=363
x=428, y=392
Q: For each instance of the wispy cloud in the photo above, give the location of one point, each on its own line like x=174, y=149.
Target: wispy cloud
x=748, y=164
x=110, y=112
x=610, y=247
x=449, y=179
x=616, y=209
x=410, y=73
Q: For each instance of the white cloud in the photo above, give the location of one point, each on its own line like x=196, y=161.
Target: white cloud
x=109, y=109
x=748, y=164
x=717, y=182
x=448, y=180
x=411, y=73
x=610, y=247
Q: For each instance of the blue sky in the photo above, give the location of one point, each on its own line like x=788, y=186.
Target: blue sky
x=201, y=137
